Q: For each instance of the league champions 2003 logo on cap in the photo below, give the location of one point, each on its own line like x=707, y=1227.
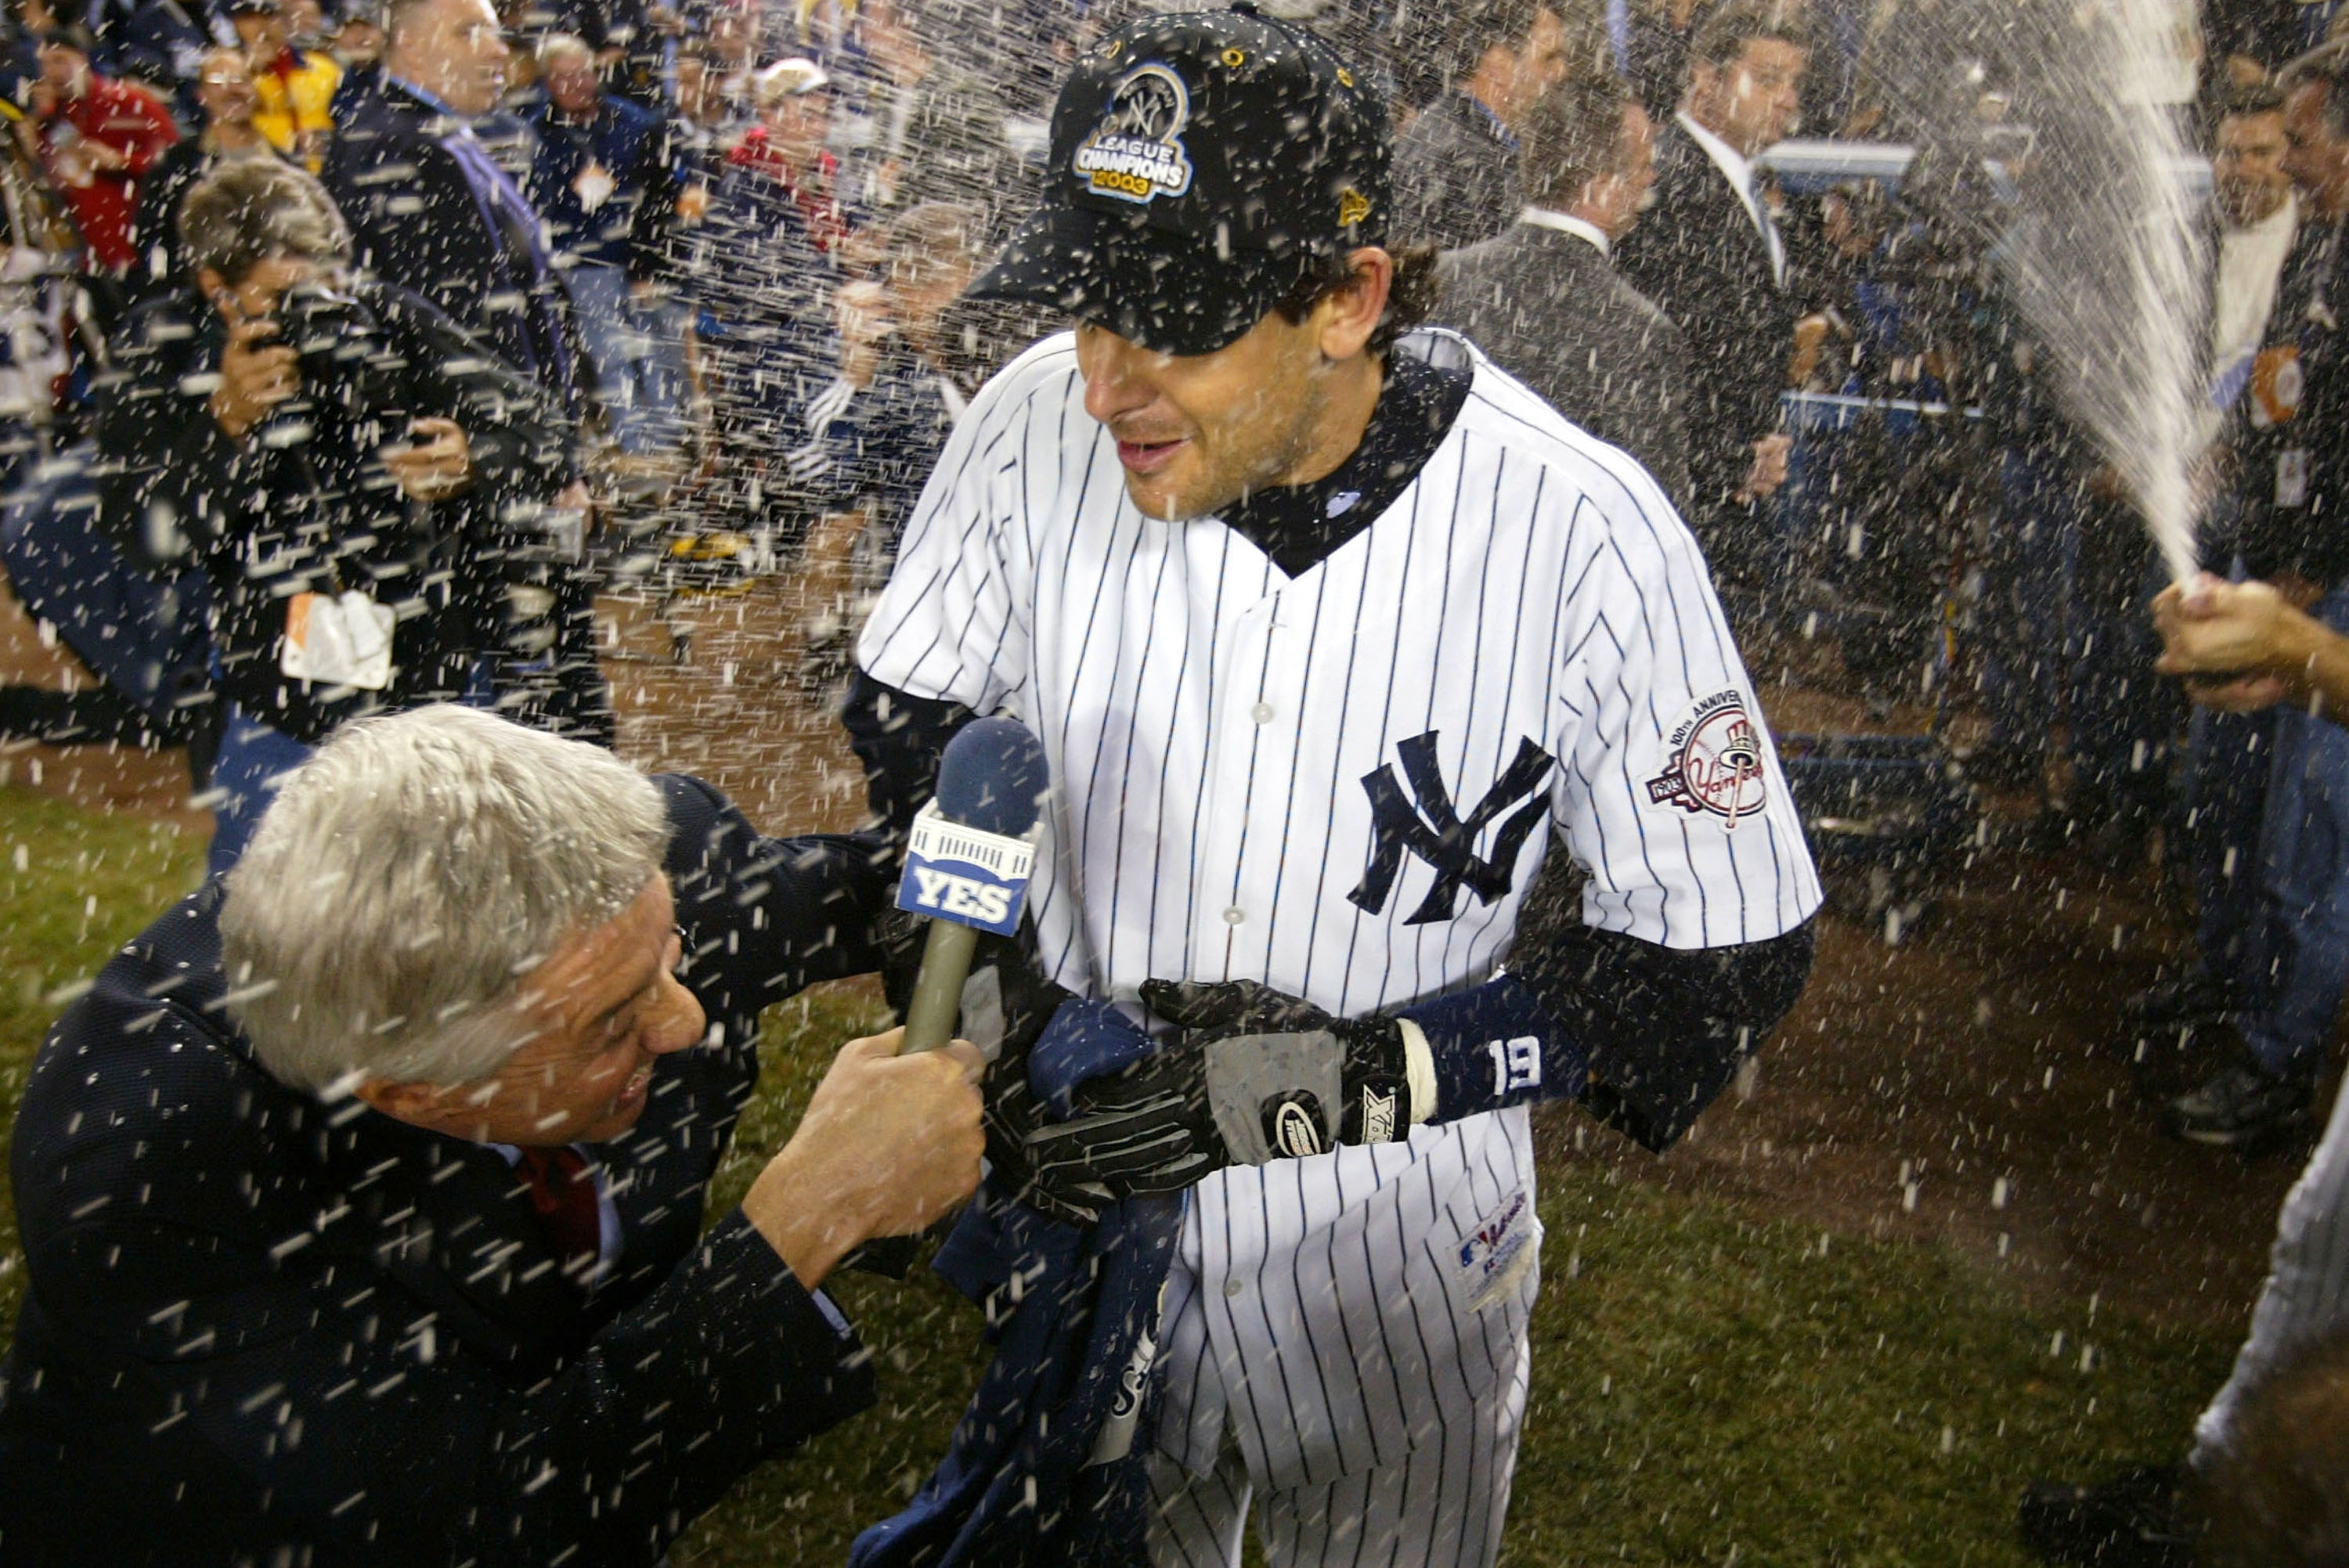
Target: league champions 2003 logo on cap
x=1201, y=161
x=1136, y=153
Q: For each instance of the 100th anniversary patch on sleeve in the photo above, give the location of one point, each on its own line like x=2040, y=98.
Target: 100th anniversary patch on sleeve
x=1715, y=761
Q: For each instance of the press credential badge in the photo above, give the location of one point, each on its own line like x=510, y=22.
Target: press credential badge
x=338, y=639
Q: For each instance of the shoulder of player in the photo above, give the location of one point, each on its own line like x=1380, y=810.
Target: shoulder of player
x=1503, y=412
x=1045, y=370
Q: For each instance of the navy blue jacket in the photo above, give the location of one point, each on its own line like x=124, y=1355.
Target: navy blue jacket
x=415, y=223
x=260, y=1327
x=629, y=229
x=764, y=284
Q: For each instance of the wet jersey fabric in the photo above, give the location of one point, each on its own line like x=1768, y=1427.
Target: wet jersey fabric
x=1339, y=782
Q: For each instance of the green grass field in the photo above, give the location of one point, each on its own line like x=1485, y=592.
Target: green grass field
x=1708, y=1387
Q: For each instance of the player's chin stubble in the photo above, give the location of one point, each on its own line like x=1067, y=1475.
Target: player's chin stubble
x=1253, y=449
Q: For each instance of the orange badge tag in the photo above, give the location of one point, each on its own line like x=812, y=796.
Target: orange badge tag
x=338, y=640
x=2277, y=381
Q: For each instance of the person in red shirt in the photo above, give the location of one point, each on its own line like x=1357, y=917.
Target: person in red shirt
x=96, y=136
x=794, y=99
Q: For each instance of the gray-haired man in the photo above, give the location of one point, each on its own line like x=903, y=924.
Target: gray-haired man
x=362, y=1196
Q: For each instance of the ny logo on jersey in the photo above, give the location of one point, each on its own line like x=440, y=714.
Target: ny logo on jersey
x=1423, y=822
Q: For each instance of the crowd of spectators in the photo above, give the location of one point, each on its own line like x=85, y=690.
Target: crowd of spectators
x=490, y=298
x=721, y=242
x=1818, y=353
x=717, y=248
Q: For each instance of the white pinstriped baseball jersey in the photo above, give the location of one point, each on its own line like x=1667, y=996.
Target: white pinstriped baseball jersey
x=1332, y=784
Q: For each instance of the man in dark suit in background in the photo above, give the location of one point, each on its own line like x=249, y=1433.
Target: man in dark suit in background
x=362, y=1195
x=430, y=210
x=1710, y=254
x=1543, y=300
x=1456, y=171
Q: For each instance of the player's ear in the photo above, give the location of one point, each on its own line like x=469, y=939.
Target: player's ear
x=1348, y=316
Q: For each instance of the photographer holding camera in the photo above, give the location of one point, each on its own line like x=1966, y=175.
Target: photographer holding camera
x=364, y=482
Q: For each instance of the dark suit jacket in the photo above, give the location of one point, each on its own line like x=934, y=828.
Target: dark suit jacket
x=1551, y=312
x=262, y=1326
x=415, y=223
x=2293, y=473
x=1695, y=253
x=1455, y=176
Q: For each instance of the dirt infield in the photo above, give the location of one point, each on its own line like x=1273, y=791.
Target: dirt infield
x=1949, y=1087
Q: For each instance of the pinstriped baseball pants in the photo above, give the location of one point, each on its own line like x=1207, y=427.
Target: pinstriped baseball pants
x=1443, y=1506
x=2307, y=1290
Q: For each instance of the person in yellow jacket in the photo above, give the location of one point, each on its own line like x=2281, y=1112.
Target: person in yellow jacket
x=295, y=86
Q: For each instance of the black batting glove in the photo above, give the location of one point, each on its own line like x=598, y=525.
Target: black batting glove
x=1005, y=1004
x=1286, y=1080
x=1255, y=1076
x=1006, y=983
x=1012, y=1118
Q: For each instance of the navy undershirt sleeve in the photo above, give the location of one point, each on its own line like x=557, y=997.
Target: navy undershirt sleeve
x=1494, y=1046
x=899, y=738
x=1645, y=1036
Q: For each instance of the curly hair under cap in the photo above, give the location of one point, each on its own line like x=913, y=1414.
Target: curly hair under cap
x=1411, y=298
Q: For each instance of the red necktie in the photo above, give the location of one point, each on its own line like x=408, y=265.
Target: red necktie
x=564, y=1194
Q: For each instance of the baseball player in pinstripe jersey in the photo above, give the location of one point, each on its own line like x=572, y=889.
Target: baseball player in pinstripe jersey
x=1332, y=633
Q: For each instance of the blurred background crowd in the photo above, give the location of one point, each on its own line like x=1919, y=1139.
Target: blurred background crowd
x=357, y=355
x=347, y=355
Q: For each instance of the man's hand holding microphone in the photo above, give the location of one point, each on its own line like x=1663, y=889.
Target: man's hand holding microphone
x=889, y=1144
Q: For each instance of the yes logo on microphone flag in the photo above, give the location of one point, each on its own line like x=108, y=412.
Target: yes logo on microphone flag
x=964, y=874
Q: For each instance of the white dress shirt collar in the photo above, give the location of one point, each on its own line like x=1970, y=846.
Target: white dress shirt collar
x=1550, y=218
x=1739, y=172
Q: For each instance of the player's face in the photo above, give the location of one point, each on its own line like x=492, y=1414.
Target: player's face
x=1635, y=169
x=459, y=55
x=601, y=1010
x=259, y=30
x=1539, y=64
x=64, y=71
x=1196, y=431
x=2318, y=156
x=225, y=91
x=573, y=84
x=798, y=125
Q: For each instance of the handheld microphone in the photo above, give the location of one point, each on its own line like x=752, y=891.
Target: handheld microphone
x=967, y=861
x=967, y=865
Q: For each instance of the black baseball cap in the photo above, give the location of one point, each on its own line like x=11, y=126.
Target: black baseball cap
x=1198, y=162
